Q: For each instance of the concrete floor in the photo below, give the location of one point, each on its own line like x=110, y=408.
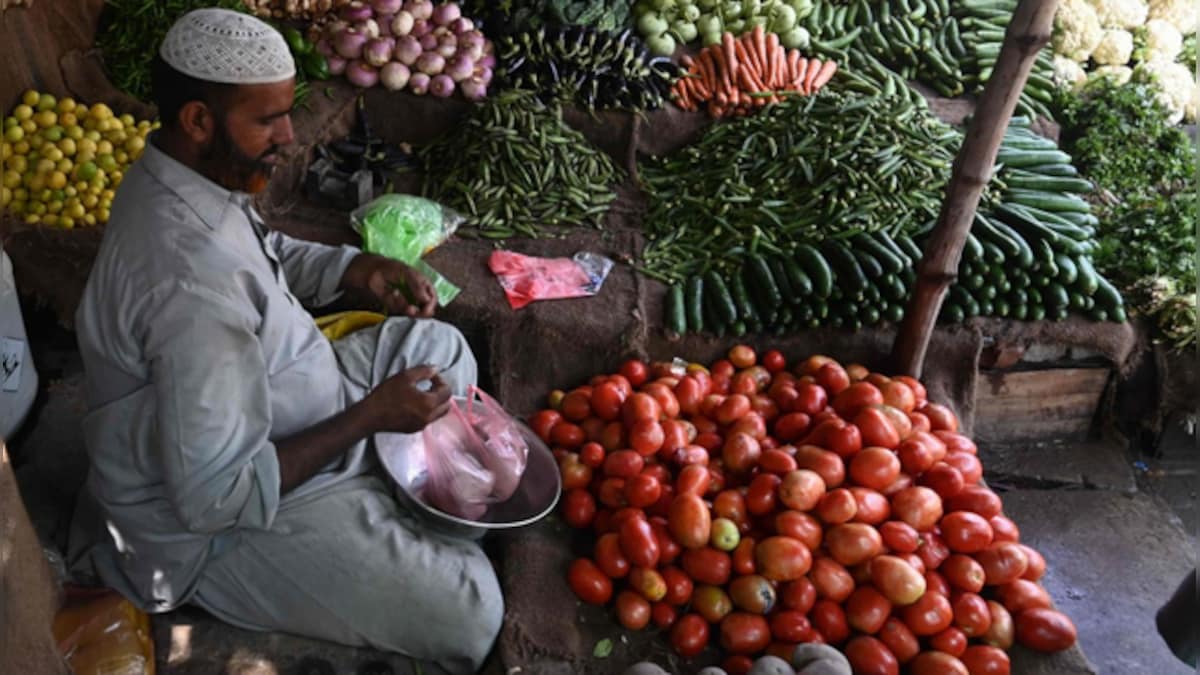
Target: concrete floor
x=1111, y=532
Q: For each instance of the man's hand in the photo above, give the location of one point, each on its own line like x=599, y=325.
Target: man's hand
x=398, y=287
x=399, y=405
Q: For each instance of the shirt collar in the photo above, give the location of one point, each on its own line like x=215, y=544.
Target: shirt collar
x=208, y=200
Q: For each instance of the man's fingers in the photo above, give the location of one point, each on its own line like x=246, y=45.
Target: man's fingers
x=422, y=373
x=440, y=389
x=439, y=411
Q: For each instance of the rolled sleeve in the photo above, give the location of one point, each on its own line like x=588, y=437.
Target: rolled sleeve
x=313, y=270
x=213, y=411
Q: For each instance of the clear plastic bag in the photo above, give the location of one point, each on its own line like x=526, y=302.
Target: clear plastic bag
x=475, y=456
x=101, y=633
x=405, y=228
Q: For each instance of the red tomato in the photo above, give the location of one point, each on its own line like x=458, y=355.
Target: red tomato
x=592, y=454
x=1001, y=632
x=971, y=614
x=899, y=640
x=760, y=497
x=774, y=361
x=899, y=395
x=665, y=396
x=801, y=489
x=810, y=399
x=567, y=435
x=929, y=615
x=743, y=557
x=737, y=664
x=662, y=507
x=668, y=548
x=1004, y=529
x=752, y=424
x=829, y=619
x=693, y=479
x=777, y=462
x=609, y=558
x=642, y=490
x=935, y=444
x=876, y=428
x=977, y=499
x=943, y=479
x=638, y=542
x=964, y=573
x=830, y=579
x=1003, y=562
x=1037, y=564
x=741, y=452
x=679, y=586
x=899, y=537
x=663, y=614
x=732, y=408
x=575, y=474
x=898, y=581
x=867, y=610
x=640, y=406
x=801, y=526
x=799, y=595
x=951, y=641
x=1021, y=595
x=712, y=603
x=875, y=468
x=966, y=532
x=646, y=437
x=782, y=558
x=784, y=397
x=871, y=657
x=689, y=393
x=689, y=635
x=873, y=507
x=690, y=521
x=940, y=417
x=577, y=405
x=986, y=660
x=824, y=463
x=745, y=633
x=635, y=371
x=612, y=437
x=915, y=456
x=744, y=383
x=543, y=422
x=707, y=565
x=856, y=397
x=936, y=583
x=920, y=507
x=648, y=583
x=956, y=442
x=837, y=506
x=579, y=508
x=623, y=464
x=606, y=401
x=853, y=543
x=792, y=426
x=919, y=422
x=790, y=626
x=918, y=389
x=742, y=356
x=1045, y=630
x=722, y=368
x=833, y=378
x=752, y=593
x=658, y=472
x=933, y=551
x=730, y=504
x=968, y=465
x=937, y=663
x=588, y=582
x=903, y=482
x=844, y=441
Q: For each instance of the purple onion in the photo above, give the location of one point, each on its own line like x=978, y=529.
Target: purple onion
x=444, y=15
x=429, y=42
x=362, y=75
x=408, y=50
x=460, y=67
x=441, y=86
x=420, y=9
x=447, y=45
x=431, y=63
x=402, y=24
x=386, y=6
x=355, y=11
x=462, y=25
x=473, y=88
x=337, y=65
x=418, y=83
x=349, y=43
x=378, y=51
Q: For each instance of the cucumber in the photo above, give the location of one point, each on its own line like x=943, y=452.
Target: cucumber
x=1067, y=271
x=1078, y=301
x=1018, y=296
x=894, y=248
x=818, y=270
x=1048, y=201
x=972, y=249
x=1035, y=296
x=741, y=298
x=1063, y=170
x=959, y=297
x=778, y=272
x=1117, y=315
x=1024, y=158
x=1107, y=297
x=986, y=229
x=986, y=308
x=850, y=276
x=894, y=313
x=1047, y=183
x=992, y=253
x=676, y=315
x=712, y=319
x=694, y=304
x=869, y=316
x=882, y=255
x=1037, y=313
x=1001, y=308
x=893, y=288
x=869, y=264
x=719, y=297
x=738, y=329
x=1024, y=251
x=1098, y=314
x=1019, y=312
x=952, y=313
x=910, y=249
x=760, y=279
x=973, y=282
x=801, y=284
x=1056, y=296
x=1087, y=283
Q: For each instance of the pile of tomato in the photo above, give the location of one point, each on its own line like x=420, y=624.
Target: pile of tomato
x=760, y=506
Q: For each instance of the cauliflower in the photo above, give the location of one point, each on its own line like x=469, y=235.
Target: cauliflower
x=1118, y=74
x=1193, y=103
x=1076, y=30
x=1115, y=48
x=1068, y=73
x=1126, y=14
x=1180, y=13
x=1174, y=82
x=1158, y=39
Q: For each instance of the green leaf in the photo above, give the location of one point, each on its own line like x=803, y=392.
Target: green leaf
x=603, y=649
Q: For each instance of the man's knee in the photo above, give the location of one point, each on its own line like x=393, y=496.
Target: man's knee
x=451, y=352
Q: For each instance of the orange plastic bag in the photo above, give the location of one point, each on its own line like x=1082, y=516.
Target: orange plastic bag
x=101, y=633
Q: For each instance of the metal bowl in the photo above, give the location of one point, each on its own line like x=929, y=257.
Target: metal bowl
x=536, y=495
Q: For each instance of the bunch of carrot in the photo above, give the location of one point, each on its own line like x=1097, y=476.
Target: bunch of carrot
x=742, y=74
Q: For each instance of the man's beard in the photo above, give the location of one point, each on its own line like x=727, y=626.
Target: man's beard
x=230, y=168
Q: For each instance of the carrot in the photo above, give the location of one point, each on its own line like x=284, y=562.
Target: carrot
x=814, y=66
x=772, y=59
x=760, y=46
x=789, y=77
x=825, y=75
x=711, y=77
x=743, y=55
x=797, y=83
x=730, y=55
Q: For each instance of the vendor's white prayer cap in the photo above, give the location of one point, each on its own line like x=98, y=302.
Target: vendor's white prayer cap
x=221, y=45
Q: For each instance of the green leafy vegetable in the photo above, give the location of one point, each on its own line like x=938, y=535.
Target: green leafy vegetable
x=603, y=649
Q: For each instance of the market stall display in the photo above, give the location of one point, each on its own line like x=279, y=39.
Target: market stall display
x=755, y=506
x=505, y=17
x=668, y=25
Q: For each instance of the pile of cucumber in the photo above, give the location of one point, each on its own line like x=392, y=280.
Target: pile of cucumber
x=982, y=24
x=1027, y=257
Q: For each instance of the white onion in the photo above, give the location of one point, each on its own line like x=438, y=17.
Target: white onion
x=370, y=27
x=420, y=9
x=441, y=86
x=418, y=83
x=394, y=76
x=431, y=63
x=444, y=15
x=402, y=24
x=408, y=50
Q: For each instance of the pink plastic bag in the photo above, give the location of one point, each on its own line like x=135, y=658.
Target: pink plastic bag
x=475, y=456
x=527, y=278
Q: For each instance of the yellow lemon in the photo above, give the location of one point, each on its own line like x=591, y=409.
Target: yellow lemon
x=68, y=119
x=22, y=112
x=37, y=183
x=46, y=102
x=71, y=192
x=53, y=134
x=75, y=132
x=31, y=98
x=122, y=157
x=44, y=166
x=86, y=171
x=108, y=194
x=20, y=194
x=89, y=219
x=102, y=215
x=100, y=112
x=57, y=180
x=21, y=147
x=104, y=147
x=65, y=165
x=68, y=146
x=54, y=206
x=52, y=153
x=6, y=150
x=93, y=136
x=66, y=104
x=5, y=196
x=50, y=220
x=106, y=161
x=36, y=142
x=127, y=120
x=29, y=126
x=90, y=201
x=46, y=119
x=76, y=210
x=33, y=219
x=38, y=208
x=135, y=145
x=14, y=134
x=11, y=179
x=17, y=163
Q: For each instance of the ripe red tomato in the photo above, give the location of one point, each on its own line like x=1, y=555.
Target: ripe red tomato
x=774, y=361
x=971, y=614
x=1021, y=595
x=1003, y=562
x=844, y=441
x=690, y=521
x=777, y=461
x=743, y=557
x=633, y=612
x=668, y=548
x=577, y=405
x=1001, y=632
x=899, y=639
x=782, y=558
x=929, y=615
x=833, y=378
x=665, y=396
x=579, y=508
x=853, y=543
x=899, y=395
x=623, y=464
x=801, y=489
x=830, y=579
x=543, y=422
x=712, y=603
x=870, y=656
x=943, y=479
x=1045, y=630
x=897, y=580
x=810, y=399
x=648, y=583
x=966, y=532
x=612, y=437
x=829, y=619
x=689, y=393
x=588, y=582
x=606, y=401
x=1037, y=564
x=689, y=635
x=640, y=406
x=801, y=526
x=824, y=463
x=916, y=457
x=592, y=454
x=575, y=474
x=964, y=573
x=1004, y=529
x=635, y=371
x=638, y=542
x=760, y=497
x=741, y=452
x=745, y=633
x=936, y=583
x=848, y=402
x=968, y=465
x=877, y=428
x=752, y=593
x=920, y=507
x=940, y=417
x=951, y=641
x=693, y=479
x=933, y=551
x=642, y=490
x=919, y=422
x=568, y=435
x=875, y=468
x=867, y=610
x=899, y=537
x=646, y=437
x=937, y=663
x=790, y=626
x=986, y=660
x=737, y=664
x=707, y=565
x=799, y=595
x=663, y=614
x=730, y=504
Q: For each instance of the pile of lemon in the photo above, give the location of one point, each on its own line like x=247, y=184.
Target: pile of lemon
x=62, y=161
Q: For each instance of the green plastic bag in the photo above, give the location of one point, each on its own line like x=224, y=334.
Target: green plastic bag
x=405, y=228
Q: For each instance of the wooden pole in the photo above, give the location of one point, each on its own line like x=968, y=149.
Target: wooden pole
x=1028, y=31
